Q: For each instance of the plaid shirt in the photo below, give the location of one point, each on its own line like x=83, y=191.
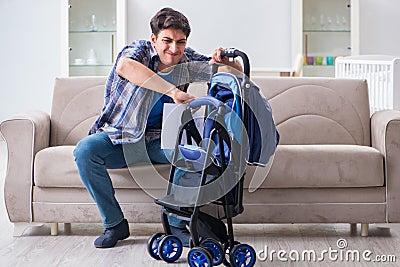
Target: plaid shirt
x=127, y=106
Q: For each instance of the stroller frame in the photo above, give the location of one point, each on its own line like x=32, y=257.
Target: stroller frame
x=232, y=200
x=220, y=132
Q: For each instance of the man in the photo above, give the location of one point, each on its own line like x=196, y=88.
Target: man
x=145, y=75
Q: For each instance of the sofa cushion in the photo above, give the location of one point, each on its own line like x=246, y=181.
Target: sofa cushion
x=294, y=166
x=312, y=110
x=77, y=102
x=55, y=167
x=322, y=166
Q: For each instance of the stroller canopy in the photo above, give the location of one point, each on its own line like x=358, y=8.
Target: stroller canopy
x=249, y=109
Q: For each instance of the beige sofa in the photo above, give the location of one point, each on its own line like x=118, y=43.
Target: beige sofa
x=333, y=165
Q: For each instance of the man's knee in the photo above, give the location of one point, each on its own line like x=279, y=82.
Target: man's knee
x=85, y=149
x=81, y=150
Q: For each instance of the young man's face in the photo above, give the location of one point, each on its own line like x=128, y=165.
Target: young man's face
x=170, y=45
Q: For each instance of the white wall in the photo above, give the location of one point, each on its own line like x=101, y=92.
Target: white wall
x=260, y=28
x=379, y=27
x=30, y=54
x=30, y=43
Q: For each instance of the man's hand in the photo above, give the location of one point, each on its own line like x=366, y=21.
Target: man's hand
x=179, y=96
x=216, y=58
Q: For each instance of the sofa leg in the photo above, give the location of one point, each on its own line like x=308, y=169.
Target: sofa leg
x=54, y=228
x=67, y=228
x=364, y=229
x=353, y=228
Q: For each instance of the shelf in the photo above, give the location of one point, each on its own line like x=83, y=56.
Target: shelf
x=319, y=66
x=319, y=70
x=90, y=32
x=328, y=31
x=90, y=65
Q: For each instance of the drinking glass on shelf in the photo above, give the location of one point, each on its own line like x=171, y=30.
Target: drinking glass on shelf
x=329, y=22
x=322, y=21
x=93, y=26
x=318, y=60
x=338, y=22
x=330, y=60
x=92, y=59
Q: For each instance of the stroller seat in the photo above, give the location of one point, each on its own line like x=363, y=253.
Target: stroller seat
x=191, y=152
x=194, y=154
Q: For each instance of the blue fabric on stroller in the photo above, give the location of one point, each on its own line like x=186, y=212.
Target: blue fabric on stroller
x=262, y=136
x=261, y=131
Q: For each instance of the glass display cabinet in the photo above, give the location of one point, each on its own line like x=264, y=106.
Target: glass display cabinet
x=96, y=32
x=329, y=30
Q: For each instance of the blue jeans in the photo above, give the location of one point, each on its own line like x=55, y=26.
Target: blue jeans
x=96, y=153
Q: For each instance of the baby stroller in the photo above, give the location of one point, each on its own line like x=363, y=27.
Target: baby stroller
x=211, y=172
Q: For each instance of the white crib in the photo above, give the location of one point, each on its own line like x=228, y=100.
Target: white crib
x=382, y=74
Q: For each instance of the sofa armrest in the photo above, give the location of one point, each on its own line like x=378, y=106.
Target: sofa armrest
x=385, y=136
x=25, y=135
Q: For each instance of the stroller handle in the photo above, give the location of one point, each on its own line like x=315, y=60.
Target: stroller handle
x=233, y=52
x=205, y=100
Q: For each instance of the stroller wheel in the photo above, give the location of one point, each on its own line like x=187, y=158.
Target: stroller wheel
x=215, y=249
x=199, y=257
x=227, y=253
x=242, y=255
x=152, y=245
x=170, y=248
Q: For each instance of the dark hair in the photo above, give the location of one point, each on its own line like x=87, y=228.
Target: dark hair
x=169, y=18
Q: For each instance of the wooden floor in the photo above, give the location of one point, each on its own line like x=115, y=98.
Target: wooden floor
x=37, y=248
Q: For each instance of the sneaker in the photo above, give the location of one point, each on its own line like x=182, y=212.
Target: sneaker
x=111, y=236
x=182, y=233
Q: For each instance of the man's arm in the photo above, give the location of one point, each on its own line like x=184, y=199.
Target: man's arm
x=140, y=75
